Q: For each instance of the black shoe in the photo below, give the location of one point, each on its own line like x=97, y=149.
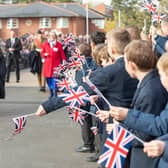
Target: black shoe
x=93, y=158
x=84, y=149
x=17, y=81
x=7, y=81
x=42, y=89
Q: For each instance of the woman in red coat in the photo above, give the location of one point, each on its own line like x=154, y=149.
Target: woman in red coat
x=53, y=55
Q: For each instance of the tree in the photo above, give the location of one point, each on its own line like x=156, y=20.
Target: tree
x=164, y=6
x=130, y=13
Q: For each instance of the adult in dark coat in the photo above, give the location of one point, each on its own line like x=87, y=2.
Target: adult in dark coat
x=13, y=48
x=2, y=75
x=35, y=62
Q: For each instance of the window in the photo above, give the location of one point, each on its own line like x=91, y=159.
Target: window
x=45, y=23
x=99, y=23
x=62, y=23
x=12, y=23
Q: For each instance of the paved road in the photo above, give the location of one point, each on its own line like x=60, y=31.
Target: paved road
x=46, y=142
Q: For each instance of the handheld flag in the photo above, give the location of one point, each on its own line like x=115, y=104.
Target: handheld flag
x=116, y=148
x=149, y=6
x=79, y=56
x=69, y=39
x=94, y=130
x=157, y=17
x=77, y=115
x=20, y=123
x=62, y=67
x=75, y=97
x=75, y=64
x=65, y=84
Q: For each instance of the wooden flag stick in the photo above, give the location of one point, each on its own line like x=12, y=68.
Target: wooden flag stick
x=85, y=111
x=97, y=106
x=87, y=80
x=27, y=115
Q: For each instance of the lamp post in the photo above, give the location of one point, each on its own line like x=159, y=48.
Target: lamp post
x=87, y=23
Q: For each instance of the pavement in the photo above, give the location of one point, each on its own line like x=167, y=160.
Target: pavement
x=45, y=142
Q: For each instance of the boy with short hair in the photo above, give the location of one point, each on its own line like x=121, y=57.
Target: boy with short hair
x=113, y=81
x=150, y=96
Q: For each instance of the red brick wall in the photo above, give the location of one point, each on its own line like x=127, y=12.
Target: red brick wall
x=76, y=26
x=93, y=27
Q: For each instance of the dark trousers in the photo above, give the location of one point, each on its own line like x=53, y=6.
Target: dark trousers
x=97, y=138
x=13, y=61
x=87, y=134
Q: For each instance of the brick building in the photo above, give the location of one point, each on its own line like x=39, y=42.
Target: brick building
x=64, y=17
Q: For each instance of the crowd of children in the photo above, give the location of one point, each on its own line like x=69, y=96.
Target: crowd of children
x=127, y=76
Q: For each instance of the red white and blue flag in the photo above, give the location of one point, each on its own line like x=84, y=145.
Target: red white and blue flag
x=61, y=68
x=77, y=115
x=94, y=130
x=20, y=123
x=157, y=17
x=116, y=148
x=69, y=73
x=69, y=39
x=149, y=6
x=79, y=56
x=75, y=97
x=65, y=84
x=75, y=64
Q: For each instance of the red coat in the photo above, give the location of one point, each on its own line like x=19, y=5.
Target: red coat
x=53, y=59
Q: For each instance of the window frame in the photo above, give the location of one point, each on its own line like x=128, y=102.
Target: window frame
x=62, y=23
x=44, y=24
x=10, y=23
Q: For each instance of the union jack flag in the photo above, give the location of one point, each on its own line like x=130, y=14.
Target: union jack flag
x=79, y=56
x=20, y=123
x=75, y=64
x=75, y=97
x=69, y=39
x=77, y=115
x=69, y=73
x=94, y=130
x=149, y=6
x=62, y=67
x=116, y=148
x=65, y=84
x=157, y=17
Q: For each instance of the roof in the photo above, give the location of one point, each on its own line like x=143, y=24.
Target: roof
x=105, y=10
x=38, y=9
x=79, y=9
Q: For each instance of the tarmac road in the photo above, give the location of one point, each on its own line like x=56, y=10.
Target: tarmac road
x=45, y=142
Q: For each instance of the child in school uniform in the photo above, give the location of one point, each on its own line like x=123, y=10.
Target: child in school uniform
x=102, y=58
x=113, y=81
x=149, y=123
x=150, y=96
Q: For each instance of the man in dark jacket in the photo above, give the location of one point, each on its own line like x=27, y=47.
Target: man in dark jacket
x=2, y=75
x=13, y=48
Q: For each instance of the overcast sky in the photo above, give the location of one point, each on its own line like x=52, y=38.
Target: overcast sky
x=108, y=2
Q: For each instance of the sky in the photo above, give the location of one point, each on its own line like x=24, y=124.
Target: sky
x=107, y=2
